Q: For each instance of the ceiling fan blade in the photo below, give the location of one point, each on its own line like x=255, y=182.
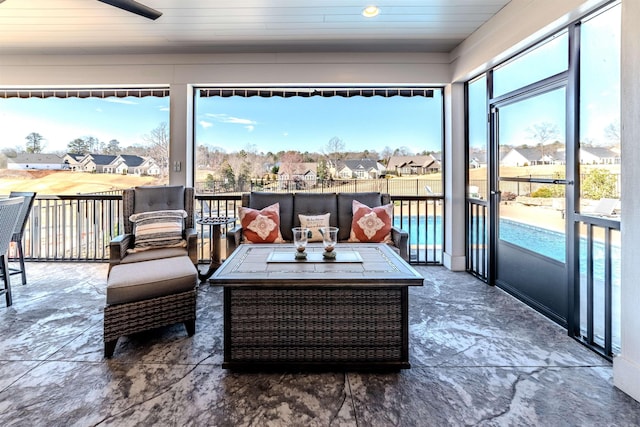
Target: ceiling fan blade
x=134, y=7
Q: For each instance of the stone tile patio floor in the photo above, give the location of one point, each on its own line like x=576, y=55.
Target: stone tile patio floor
x=479, y=357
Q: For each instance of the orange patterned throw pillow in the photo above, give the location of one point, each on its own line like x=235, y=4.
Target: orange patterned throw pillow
x=261, y=226
x=371, y=225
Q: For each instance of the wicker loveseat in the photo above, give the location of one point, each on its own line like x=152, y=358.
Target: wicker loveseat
x=338, y=205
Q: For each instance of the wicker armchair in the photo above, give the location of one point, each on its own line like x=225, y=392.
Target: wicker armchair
x=9, y=212
x=154, y=198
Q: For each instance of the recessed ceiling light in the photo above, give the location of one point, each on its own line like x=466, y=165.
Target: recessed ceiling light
x=370, y=11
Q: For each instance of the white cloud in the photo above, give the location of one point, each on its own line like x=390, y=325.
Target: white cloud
x=119, y=101
x=205, y=124
x=225, y=118
x=250, y=128
x=285, y=134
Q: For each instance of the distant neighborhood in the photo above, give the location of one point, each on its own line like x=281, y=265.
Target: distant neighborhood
x=97, y=163
x=535, y=156
x=304, y=171
x=308, y=171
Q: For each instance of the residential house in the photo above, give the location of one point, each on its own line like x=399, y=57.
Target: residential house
x=297, y=175
x=532, y=156
x=413, y=165
x=73, y=161
x=35, y=161
x=598, y=156
x=97, y=163
x=360, y=169
x=477, y=159
x=134, y=165
x=120, y=164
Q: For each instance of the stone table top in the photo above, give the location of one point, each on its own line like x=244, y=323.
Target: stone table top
x=355, y=263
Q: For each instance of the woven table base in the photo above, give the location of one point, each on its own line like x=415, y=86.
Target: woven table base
x=315, y=325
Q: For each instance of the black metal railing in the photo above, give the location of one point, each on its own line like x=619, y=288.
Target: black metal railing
x=80, y=227
x=599, y=271
x=477, y=238
x=421, y=217
x=71, y=228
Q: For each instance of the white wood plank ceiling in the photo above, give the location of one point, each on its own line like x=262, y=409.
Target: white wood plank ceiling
x=203, y=26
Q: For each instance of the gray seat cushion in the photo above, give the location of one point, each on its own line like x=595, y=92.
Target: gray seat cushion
x=150, y=279
x=152, y=254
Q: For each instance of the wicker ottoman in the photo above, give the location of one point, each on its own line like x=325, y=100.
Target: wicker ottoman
x=149, y=294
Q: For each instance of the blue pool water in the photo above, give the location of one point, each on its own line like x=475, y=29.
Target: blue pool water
x=421, y=232
x=536, y=239
x=546, y=242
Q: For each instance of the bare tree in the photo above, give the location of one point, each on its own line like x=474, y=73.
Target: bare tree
x=386, y=154
x=158, y=141
x=290, y=163
x=255, y=161
x=402, y=151
x=334, y=151
x=543, y=133
x=612, y=132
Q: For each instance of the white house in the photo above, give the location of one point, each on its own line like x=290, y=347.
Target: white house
x=35, y=161
x=360, y=169
x=598, y=156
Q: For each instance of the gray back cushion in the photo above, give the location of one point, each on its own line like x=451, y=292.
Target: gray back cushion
x=315, y=204
x=158, y=198
x=260, y=200
x=345, y=209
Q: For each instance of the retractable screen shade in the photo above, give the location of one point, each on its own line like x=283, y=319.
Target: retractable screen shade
x=308, y=92
x=84, y=93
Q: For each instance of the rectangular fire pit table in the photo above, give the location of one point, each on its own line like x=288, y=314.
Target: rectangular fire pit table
x=347, y=313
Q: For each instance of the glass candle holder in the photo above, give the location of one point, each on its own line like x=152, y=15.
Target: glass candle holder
x=300, y=240
x=329, y=240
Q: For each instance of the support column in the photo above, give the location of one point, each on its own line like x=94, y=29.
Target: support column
x=181, y=135
x=454, y=177
x=626, y=366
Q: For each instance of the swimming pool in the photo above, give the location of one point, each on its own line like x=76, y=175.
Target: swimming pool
x=424, y=233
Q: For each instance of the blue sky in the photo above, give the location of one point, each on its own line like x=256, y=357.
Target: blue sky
x=307, y=124
x=60, y=121
x=261, y=124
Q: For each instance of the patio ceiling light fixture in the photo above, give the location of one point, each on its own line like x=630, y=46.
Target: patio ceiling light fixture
x=370, y=11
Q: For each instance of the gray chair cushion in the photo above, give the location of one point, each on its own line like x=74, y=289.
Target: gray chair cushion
x=260, y=200
x=345, y=209
x=315, y=204
x=150, y=279
x=158, y=197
